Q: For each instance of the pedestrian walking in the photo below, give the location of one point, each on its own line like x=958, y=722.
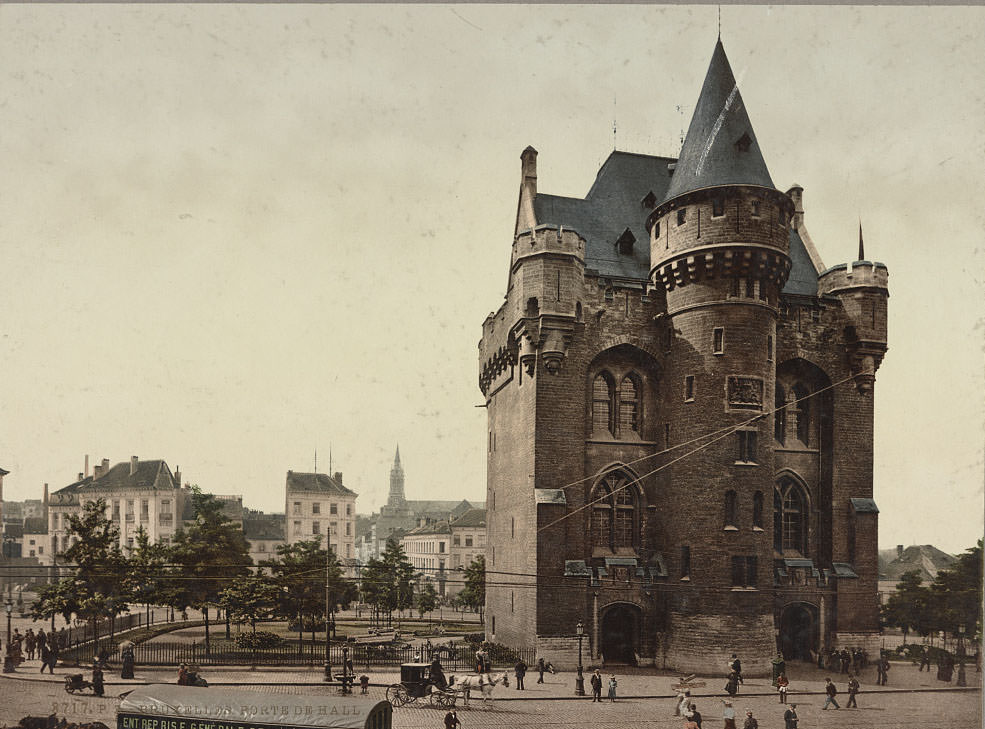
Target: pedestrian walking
x=693, y=715
x=596, y=686
x=728, y=714
x=790, y=717
x=62, y=640
x=736, y=665
x=732, y=686
x=451, y=720
x=853, y=688
x=683, y=702
x=846, y=660
x=97, y=678
x=540, y=670
x=43, y=640
x=612, y=688
x=831, y=690
x=750, y=722
x=46, y=658
x=884, y=665
x=782, y=684
x=520, y=670
x=924, y=659
x=30, y=644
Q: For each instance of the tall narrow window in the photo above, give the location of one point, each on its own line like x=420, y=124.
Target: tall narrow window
x=625, y=514
x=780, y=415
x=802, y=412
x=717, y=207
x=614, y=513
x=629, y=406
x=750, y=288
x=789, y=517
x=747, y=446
x=757, y=510
x=666, y=435
x=730, y=509
x=744, y=570
x=685, y=562
x=682, y=216
x=718, y=337
x=602, y=404
x=688, y=388
x=602, y=517
x=769, y=348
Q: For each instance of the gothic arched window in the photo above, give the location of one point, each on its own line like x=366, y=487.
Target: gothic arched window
x=629, y=406
x=790, y=514
x=602, y=392
x=615, y=509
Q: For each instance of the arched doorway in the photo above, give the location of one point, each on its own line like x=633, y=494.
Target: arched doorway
x=620, y=634
x=798, y=631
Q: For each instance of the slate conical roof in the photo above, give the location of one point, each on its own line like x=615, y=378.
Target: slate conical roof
x=720, y=147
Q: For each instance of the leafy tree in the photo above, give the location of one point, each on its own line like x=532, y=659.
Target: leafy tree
x=211, y=551
x=473, y=595
x=906, y=608
x=427, y=599
x=250, y=598
x=387, y=581
x=57, y=598
x=147, y=569
x=300, y=572
x=98, y=565
x=955, y=596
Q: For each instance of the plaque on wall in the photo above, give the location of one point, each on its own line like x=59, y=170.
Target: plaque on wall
x=744, y=393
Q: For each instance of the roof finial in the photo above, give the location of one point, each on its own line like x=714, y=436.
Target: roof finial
x=861, y=247
x=719, y=22
x=613, y=122
x=316, y=459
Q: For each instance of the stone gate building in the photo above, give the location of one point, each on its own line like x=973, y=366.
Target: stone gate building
x=680, y=413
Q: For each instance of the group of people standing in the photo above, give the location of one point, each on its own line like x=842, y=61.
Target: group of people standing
x=31, y=645
x=596, y=682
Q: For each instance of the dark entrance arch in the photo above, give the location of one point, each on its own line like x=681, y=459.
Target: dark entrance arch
x=620, y=634
x=798, y=631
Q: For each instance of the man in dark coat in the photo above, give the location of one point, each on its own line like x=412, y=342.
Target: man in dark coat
x=520, y=670
x=596, y=686
x=438, y=674
x=790, y=717
x=853, y=688
x=97, y=678
x=541, y=667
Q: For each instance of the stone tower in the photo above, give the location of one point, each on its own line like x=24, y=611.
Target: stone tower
x=719, y=246
x=680, y=402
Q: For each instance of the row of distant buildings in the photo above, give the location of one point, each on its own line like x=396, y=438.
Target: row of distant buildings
x=439, y=536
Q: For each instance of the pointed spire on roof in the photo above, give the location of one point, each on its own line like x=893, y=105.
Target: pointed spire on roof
x=720, y=147
x=396, y=460
x=861, y=247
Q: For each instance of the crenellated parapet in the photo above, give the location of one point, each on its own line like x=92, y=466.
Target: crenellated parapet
x=724, y=261
x=544, y=240
x=863, y=290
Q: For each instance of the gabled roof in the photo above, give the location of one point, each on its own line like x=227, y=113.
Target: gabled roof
x=68, y=494
x=437, y=527
x=720, y=147
x=614, y=203
x=153, y=474
x=316, y=482
x=471, y=518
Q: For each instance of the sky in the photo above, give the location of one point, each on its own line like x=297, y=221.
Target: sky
x=232, y=236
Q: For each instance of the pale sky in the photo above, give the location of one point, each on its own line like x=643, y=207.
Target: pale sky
x=230, y=235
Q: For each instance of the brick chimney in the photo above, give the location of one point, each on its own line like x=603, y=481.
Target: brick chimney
x=177, y=475
x=899, y=551
x=338, y=477
x=87, y=465
x=133, y=465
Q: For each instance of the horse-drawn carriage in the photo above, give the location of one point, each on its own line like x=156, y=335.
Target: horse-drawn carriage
x=416, y=682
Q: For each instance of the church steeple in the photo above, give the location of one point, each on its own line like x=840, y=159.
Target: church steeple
x=720, y=147
x=396, y=498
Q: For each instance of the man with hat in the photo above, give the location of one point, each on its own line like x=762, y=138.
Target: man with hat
x=750, y=722
x=790, y=717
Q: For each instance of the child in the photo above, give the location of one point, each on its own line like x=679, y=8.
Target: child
x=612, y=688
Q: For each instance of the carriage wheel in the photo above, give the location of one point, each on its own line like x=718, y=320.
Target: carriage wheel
x=444, y=699
x=397, y=695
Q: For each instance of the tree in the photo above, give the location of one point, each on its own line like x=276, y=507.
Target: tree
x=98, y=565
x=386, y=582
x=300, y=572
x=146, y=571
x=427, y=599
x=211, y=551
x=473, y=595
x=250, y=598
x=57, y=598
x=955, y=596
x=906, y=608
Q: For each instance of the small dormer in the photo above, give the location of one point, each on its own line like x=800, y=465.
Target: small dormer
x=743, y=143
x=624, y=245
x=650, y=201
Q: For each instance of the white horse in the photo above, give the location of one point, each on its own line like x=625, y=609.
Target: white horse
x=479, y=682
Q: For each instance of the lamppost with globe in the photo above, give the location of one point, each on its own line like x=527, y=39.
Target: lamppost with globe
x=8, y=657
x=962, y=680
x=580, y=678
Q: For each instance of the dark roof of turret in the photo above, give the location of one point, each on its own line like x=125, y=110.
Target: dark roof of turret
x=720, y=147
x=614, y=204
x=803, y=275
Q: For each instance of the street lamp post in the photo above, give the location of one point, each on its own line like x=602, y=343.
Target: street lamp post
x=328, y=615
x=8, y=658
x=962, y=681
x=580, y=678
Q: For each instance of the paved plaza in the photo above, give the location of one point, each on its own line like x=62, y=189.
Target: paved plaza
x=915, y=699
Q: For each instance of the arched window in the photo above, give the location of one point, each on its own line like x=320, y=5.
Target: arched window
x=802, y=411
x=757, y=509
x=780, y=415
x=615, y=513
x=790, y=514
x=602, y=404
x=629, y=406
x=730, y=509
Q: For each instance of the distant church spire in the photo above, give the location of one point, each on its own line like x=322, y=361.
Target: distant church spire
x=396, y=498
x=861, y=247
